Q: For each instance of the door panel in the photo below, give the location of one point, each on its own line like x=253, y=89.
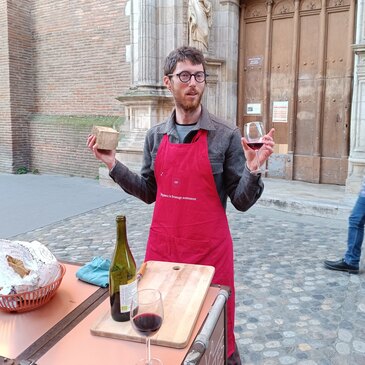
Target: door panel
x=281, y=65
x=302, y=54
x=334, y=104
x=253, y=69
x=306, y=161
x=306, y=114
x=333, y=118
x=307, y=90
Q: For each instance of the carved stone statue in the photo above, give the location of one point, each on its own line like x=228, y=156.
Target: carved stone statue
x=200, y=20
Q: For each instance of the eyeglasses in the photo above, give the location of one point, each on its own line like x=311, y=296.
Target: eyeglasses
x=185, y=76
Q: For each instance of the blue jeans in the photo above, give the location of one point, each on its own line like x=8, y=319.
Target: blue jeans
x=355, y=233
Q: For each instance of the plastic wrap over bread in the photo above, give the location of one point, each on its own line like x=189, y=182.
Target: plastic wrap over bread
x=26, y=266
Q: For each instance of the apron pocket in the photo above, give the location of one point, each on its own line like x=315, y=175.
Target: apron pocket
x=163, y=247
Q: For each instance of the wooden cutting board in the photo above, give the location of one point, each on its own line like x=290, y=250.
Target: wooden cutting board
x=183, y=288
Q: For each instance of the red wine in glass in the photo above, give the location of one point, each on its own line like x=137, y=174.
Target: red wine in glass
x=253, y=132
x=147, y=324
x=255, y=145
x=146, y=318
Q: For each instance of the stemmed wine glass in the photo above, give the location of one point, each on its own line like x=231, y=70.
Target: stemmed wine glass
x=146, y=318
x=253, y=132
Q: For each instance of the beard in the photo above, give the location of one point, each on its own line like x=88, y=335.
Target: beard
x=187, y=103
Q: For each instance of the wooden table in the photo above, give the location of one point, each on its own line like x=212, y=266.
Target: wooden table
x=59, y=333
x=26, y=335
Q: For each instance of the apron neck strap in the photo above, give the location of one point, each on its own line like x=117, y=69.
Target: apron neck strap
x=198, y=135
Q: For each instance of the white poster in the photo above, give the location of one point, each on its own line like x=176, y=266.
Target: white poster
x=254, y=108
x=280, y=111
x=255, y=61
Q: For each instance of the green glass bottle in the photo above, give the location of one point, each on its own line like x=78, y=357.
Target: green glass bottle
x=122, y=274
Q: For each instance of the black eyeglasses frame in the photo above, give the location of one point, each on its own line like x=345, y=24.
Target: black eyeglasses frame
x=190, y=75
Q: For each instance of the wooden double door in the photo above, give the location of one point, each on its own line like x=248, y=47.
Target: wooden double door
x=295, y=74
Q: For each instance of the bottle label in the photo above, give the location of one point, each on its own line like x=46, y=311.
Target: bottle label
x=126, y=294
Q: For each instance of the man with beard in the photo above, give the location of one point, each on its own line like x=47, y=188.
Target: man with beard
x=192, y=163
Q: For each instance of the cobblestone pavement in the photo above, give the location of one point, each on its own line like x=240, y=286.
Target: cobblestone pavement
x=290, y=310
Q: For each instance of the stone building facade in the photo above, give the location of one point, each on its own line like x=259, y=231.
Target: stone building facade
x=68, y=65
x=357, y=135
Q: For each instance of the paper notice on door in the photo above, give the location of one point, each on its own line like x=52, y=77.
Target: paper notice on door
x=254, y=108
x=280, y=111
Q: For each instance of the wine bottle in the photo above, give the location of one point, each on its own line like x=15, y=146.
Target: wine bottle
x=122, y=275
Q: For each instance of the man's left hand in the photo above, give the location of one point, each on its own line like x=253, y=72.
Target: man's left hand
x=265, y=151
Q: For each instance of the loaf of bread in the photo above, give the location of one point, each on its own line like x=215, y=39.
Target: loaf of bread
x=26, y=266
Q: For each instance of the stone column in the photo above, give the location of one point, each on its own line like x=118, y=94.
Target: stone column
x=147, y=101
x=222, y=61
x=357, y=134
x=147, y=45
x=229, y=13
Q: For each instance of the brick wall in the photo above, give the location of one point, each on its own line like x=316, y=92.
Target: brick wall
x=79, y=56
x=80, y=69
x=59, y=59
x=16, y=83
x=59, y=143
x=21, y=78
x=5, y=111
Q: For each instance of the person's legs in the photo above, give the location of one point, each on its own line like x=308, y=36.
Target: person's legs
x=355, y=237
x=355, y=233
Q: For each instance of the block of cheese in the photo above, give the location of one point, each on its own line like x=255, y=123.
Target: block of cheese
x=106, y=138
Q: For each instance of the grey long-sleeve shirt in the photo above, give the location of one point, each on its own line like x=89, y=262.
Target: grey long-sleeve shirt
x=231, y=176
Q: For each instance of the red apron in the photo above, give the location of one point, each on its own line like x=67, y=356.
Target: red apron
x=189, y=224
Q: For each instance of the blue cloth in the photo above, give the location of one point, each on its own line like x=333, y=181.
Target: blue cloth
x=95, y=272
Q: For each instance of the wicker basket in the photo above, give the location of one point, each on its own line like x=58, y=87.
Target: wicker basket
x=27, y=301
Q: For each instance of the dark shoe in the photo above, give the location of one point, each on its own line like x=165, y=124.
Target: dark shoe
x=341, y=265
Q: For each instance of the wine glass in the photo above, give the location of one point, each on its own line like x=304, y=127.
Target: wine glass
x=146, y=318
x=253, y=132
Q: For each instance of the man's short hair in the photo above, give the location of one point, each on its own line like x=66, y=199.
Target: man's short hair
x=182, y=54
